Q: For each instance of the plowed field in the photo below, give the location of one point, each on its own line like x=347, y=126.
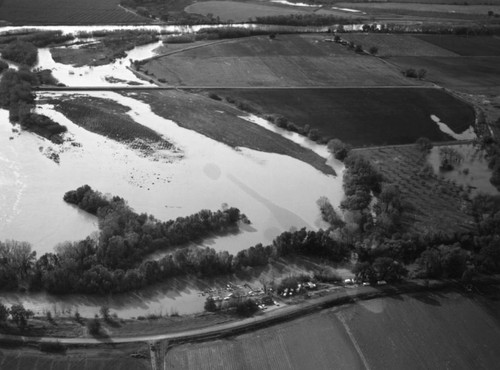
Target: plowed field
x=37, y=12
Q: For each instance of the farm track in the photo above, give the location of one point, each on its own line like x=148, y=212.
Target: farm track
x=286, y=313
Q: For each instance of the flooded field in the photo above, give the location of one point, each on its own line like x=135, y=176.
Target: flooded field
x=472, y=171
x=276, y=192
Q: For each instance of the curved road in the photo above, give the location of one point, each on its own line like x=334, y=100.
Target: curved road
x=346, y=295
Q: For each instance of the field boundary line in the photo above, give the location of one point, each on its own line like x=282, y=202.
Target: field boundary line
x=342, y=319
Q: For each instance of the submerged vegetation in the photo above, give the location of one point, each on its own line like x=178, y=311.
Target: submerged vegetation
x=16, y=95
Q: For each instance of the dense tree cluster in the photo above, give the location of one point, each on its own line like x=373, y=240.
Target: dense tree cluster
x=16, y=95
x=17, y=313
x=21, y=52
x=361, y=180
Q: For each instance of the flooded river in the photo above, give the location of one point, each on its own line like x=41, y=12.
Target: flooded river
x=276, y=192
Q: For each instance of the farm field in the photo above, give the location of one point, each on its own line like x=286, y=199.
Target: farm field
x=222, y=123
x=413, y=331
x=84, y=359
x=313, y=342
x=84, y=12
x=241, y=11
x=465, y=46
x=427, y=330
x=398, y=45
x=361, y=116
x=455, y=72
x=422, y=7
x=435, y=203
x=290, y=60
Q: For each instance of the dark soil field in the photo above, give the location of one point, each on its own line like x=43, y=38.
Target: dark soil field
x=110, y=119
x=113, y=358
x=313, y=342
x=289, y=60
x=363, y=116
x=455, y=71
x=465, y=46
x=24, y=12
x=434, y=204
x=222, y=123
x=397, y=45
x=427, y=331
x=413, y=331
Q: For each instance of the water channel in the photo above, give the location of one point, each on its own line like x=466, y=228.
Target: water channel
x=276, y=192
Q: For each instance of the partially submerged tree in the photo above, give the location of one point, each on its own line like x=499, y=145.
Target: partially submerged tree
x=339, y=149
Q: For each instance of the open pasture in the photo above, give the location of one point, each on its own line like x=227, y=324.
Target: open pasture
x=454, y=71
x=222, y=123
x=313, y=342
x=290, y=60
x=465, y=46
x=397, y=45
x=435, y=204
x=363, y=116
x=84, y=12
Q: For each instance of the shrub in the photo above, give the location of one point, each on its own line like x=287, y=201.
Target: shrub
x=53, y=347
x=214, y=96
x=373, y=50
x=104, y=311
x=246, y=308
x=423, y=144
x=94, y=326
x=3, y=66
x=179, y=39
x=327, y=277
x=210, y=305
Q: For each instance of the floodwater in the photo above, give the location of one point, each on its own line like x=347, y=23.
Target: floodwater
x=276, y=192
x=113, y=74
x=473, y=171
x=466, y=135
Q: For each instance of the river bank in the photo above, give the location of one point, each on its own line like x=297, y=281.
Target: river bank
x=209, y=326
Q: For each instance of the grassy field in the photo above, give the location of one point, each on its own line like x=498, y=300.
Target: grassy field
x=110, y=119
x=25, y=12
x=455, y=72
x=435, y=204
x=363, y=116
x=398, y=45
x=465, y=46
x=221, y=122
x=290, y=60
x=414, y=331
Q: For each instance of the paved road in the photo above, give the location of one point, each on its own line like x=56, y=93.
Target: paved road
x=170, y=87
x=285, y=313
